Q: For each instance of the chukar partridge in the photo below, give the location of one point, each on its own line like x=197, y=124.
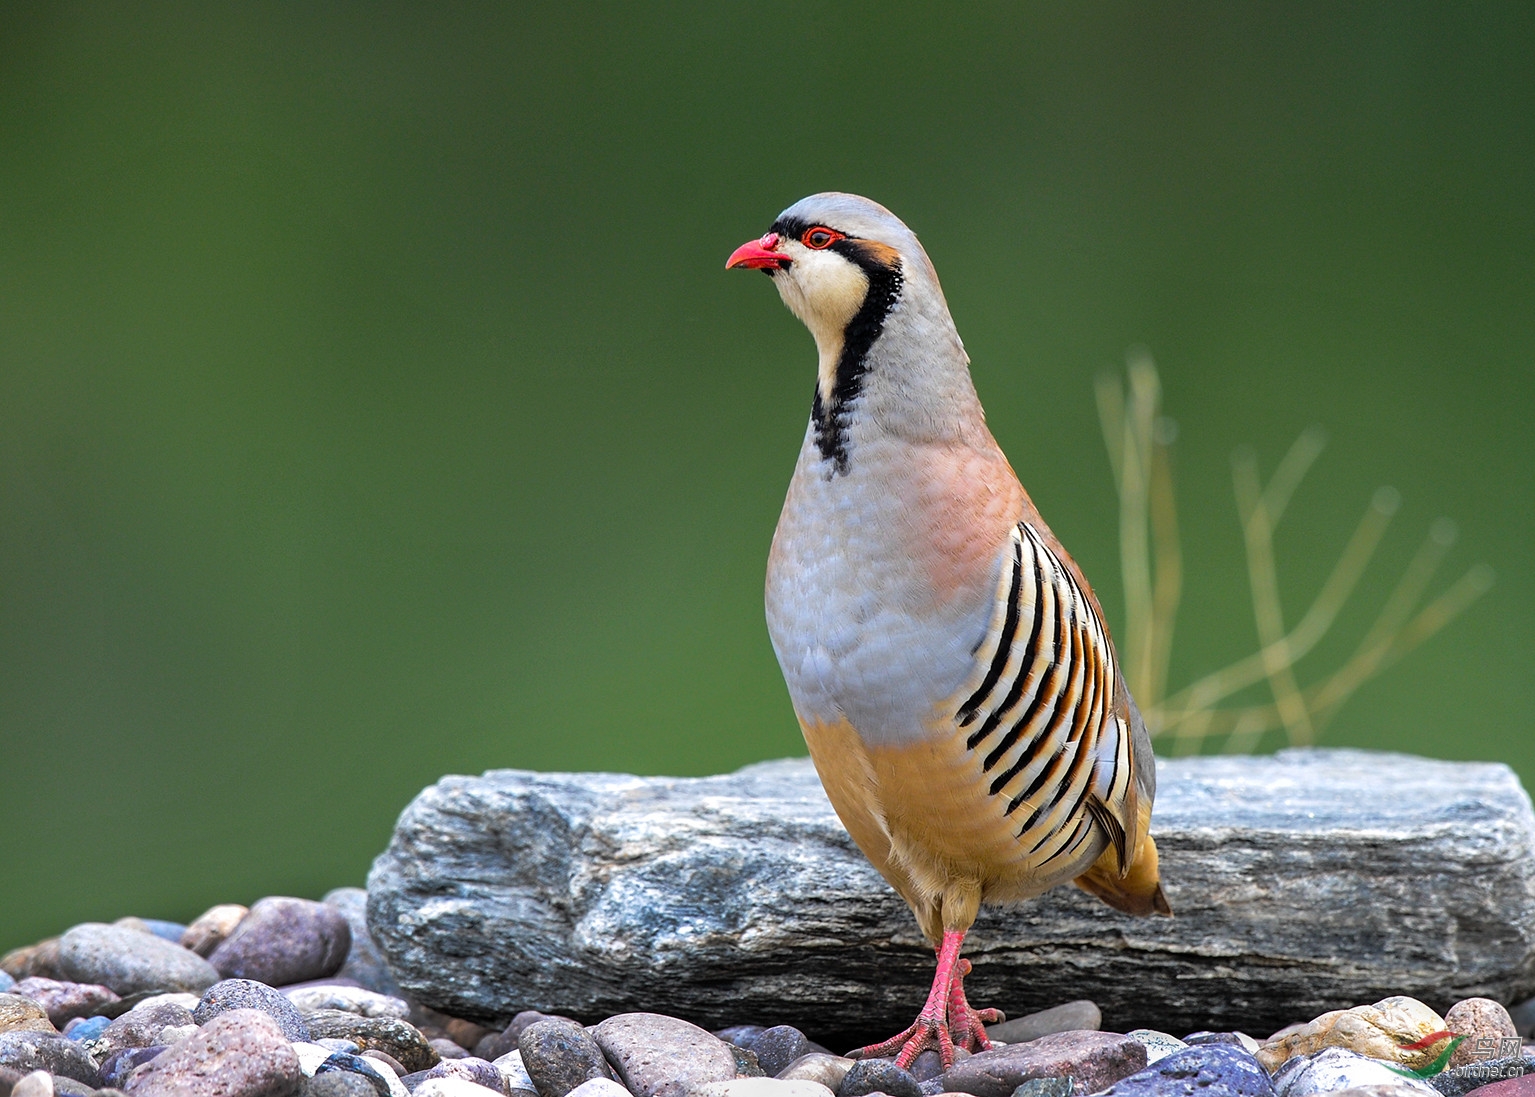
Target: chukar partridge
x=948, y=662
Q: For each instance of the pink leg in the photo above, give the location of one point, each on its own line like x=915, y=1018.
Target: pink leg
x=931, y=1029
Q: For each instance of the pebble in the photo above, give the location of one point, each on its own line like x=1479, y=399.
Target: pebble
x=600, y=1087
x=1211, y=1069
x=231, y=994
x=86, y=1028
x=1484, y=1024
x=447, y=1048
x=475, y=1070
x=141, y=1027
x=377, y=1075
x=284, y=940
x=169, y=931
x=1378, y=1031
x=1157, y=1044
x=1095, y=1059
x=65, y=1001
x=21, y=1014
x=187, y=1002
x=130, y=962
x=39, y=959
x=818, y=1066
x=779, y=1046
x=1511, y=1087
x=116, y=1067
x=659, y=1056
x=516, y=1075
x=340, y=1084
x=358, y=1000
x=1048, y=1087
x=212, y=927
x=399, y=1038
x=867, y=1076
x=762, y=1087
x=1335, y=1068
x=494, y=1046
x=453, y=1087
x=559, y=1056
x=1235, y=1039
x=240, y=1052
x=311, y=1055
x=747, y=1063
x=1067, y=1017
x=6, y=982
x=37, y=1084
x=742, y=1036
x=29, y=1050
x=388, y=1060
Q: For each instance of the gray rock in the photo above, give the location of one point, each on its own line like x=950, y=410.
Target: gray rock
x=231, y=994
x=358, y=1000
x=1211, y=1070
x=659, y=1056
x=722, y=897
x=27, y=1051
x=130, y=961
x=401, y=1039
x=1337, y=1068
x=779, y=1046
x=65, y=1001
x=1095, y=1059
x=878, y=1076
x=559, y=1056
x=284, y=940
x=240, y=1052
x=1066, y=1017
x=365, y=964
x=117, y=1065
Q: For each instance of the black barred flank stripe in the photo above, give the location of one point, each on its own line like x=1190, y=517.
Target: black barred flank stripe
x=1049, y=692
x=1004, y=644
x=1025, y=668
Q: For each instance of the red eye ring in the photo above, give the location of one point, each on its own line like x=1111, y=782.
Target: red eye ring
x=821, y=237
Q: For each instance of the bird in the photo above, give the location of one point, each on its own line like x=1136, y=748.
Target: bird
x=947, y=661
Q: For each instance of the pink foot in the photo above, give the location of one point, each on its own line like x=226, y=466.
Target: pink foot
x=946, y=1020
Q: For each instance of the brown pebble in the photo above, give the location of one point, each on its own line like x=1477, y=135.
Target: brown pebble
x=1486, y=1026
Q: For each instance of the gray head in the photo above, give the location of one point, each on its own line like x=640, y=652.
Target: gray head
x=858, y=278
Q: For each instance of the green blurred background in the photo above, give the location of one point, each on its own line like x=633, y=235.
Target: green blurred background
x=374, y=404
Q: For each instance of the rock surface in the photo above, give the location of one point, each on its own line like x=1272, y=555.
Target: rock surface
x=722, y=897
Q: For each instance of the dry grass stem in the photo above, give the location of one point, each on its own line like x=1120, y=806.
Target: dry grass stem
x=1139, y=442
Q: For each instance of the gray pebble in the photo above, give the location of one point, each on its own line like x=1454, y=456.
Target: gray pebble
x=1047, y=1087
x=747, y=1063
x=1336, y=1068
x=397, y=1067
x=141, y=1027
x=358, y=1000
x=447, y=1048
x=28, y=1051
x=37, y=1084
x=1096, y=1059
x=1213, y=1069
x=364, y=963
x=741, y=1035
x=472, y=1069
x=878, y=1076
x=399, y=1038
x=818, y=1066
x=497, y=1044
x=284, y=940
x=117, y=1065
x=559, y=1056
x=131, y=962
x=779, y=1046
x=342, y=1062
x=332, y=1043
x=660, y=1056
x=240, y=1052
x=1158, y=1045
x=6, y=982
x=231, y=994
x=599, y=1087
x=1067, y=1017
x=339, y=1083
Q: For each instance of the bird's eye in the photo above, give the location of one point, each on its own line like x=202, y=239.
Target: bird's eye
x=819, y=238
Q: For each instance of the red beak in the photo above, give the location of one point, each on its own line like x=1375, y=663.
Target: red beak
x=759, y=255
